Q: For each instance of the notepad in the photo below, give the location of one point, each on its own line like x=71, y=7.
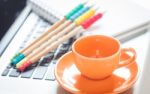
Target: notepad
x=123, y=19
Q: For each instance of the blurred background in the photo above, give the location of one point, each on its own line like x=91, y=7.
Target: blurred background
x=9, y=11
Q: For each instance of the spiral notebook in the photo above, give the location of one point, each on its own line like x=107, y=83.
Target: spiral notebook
x=123, y=19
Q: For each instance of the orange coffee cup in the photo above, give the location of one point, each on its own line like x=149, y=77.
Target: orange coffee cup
x=97, y=56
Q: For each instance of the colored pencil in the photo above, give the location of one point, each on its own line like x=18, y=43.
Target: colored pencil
x=28, y=61
x=25, y=51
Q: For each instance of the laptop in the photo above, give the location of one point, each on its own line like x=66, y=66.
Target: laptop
x=39, y=78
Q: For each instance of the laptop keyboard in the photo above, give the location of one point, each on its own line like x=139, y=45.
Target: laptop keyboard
x=44, y=68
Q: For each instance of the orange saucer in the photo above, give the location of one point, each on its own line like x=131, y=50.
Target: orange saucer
x=71, y=79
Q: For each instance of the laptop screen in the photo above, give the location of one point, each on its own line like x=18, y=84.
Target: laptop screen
x=8, y=16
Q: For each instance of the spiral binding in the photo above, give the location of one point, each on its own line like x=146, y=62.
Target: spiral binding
x=44, y=12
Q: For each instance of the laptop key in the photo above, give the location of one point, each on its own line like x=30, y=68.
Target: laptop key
x=28, y=72
x=65, y=46
x=54, y=61
x=9, y=66
x=58, y=55
x=40, y=72
x=50, y=74
x=14, y=73
x=47, y=59
x=70, y=41
x=45, y=62
x=5, y=72
x=67, y=42
x=60, y=51
x=34, y=64
x=64, y=49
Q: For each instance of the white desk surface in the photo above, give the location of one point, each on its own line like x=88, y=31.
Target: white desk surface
x=143, y=3
x=140, y=44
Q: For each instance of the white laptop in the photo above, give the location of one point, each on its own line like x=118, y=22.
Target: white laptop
x=122, y=20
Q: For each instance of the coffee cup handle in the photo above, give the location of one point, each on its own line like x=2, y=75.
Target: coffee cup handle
x=132, y=56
